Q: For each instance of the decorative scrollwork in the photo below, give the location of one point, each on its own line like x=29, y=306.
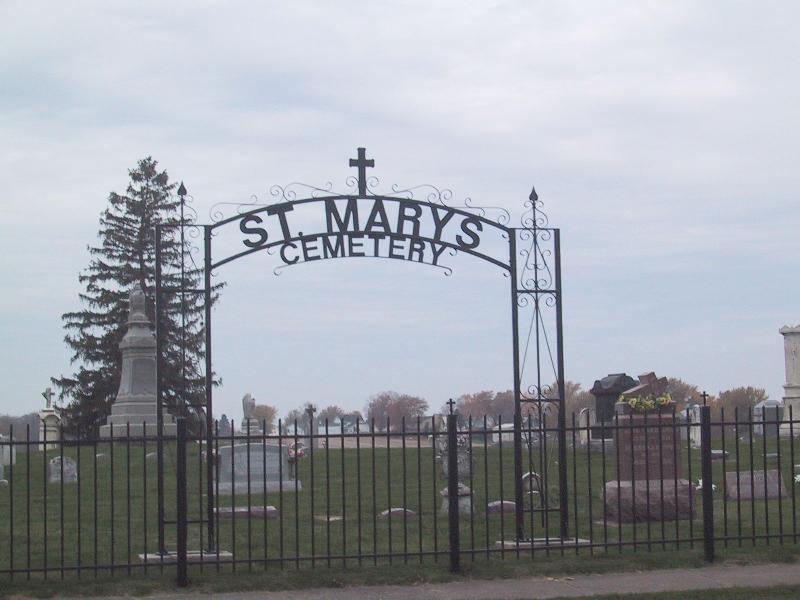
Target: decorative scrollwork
x=541, y=392
x=536, y=273
x=534, y=217
x=427, y=192
x=444, y=196
x=216, y=211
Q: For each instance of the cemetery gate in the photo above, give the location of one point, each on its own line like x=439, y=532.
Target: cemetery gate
x=417, y=224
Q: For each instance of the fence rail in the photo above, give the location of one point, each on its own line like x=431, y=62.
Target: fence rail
x=394, y=493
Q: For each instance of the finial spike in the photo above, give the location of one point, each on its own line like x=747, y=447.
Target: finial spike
x=181, y=190
x=534, y=196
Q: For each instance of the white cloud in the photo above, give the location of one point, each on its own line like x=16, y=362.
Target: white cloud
x=661, y=136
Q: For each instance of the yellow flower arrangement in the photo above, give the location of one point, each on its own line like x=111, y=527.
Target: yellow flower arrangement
x=647, y=402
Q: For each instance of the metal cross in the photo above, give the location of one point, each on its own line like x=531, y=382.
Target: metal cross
x=705, y=397
x=451, y=403
x=362, y=163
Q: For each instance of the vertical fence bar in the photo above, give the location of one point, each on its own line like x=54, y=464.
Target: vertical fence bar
x=452, y=495
x=211, y=441
x=11, y=502
x=562, y=417
x=708, y=499
x=180, y=468
x=159, y=332
x=518, y=495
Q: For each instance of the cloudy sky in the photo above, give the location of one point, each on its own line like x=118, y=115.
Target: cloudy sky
x=662, y=138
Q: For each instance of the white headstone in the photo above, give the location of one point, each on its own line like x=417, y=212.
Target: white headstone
x=791, y=352
x=55, y=469
x=585, y=421
x=693, y=414
x=49, y=429
x=254, y=465
x=8, y=454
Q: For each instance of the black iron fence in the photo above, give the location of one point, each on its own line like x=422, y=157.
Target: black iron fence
x=419, y=491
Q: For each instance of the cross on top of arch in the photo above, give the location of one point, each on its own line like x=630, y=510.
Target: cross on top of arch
x=362, y=162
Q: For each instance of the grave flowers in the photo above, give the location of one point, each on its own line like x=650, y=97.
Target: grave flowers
x=296, y=452
x=645, y=404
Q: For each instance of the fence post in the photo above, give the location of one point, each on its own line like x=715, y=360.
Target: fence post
x=452, y=494
x=182, y=579
x=707, y=489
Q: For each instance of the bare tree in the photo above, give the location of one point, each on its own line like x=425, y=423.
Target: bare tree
x=741, y=398
x=683, y=393
x=391, y=407
x=474, y=405
x=266, y=414
x=331, y=413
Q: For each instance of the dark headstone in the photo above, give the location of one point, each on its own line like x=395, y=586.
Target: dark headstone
x=752, y=488
x=224, y=427
x=767, y=416
x=648, y=447
x=649, y=385
x=606, y=392
x=653, y=500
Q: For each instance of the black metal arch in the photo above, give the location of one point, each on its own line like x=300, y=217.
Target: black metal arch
x=532, y=284
x=502, y=229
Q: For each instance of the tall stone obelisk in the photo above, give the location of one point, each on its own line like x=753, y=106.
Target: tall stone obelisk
x=791, y=389
x=136, y=401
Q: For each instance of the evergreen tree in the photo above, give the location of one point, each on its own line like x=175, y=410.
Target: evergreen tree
x=124, y=259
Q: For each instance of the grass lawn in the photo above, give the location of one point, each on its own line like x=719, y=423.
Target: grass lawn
x=110, y=516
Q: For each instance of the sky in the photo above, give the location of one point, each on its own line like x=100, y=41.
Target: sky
x=661, y=137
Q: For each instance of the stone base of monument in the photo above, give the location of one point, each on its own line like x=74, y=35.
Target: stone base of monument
x=540, y=542
x=137, y=429
x=464, y=500
x=192, y=556
x=649, y=500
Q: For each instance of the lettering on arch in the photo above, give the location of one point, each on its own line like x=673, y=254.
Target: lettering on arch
x=355, y=227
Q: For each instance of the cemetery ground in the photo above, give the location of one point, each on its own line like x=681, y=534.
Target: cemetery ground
x=331, y=533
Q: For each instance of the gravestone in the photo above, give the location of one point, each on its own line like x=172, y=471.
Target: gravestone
x=8, y=453
x=55, y=468
x=136, y=402
x=464, y=468
x=767, y=415
x=224, y=427
x=791, y=389
x=693, y=417
x=250, y=424
x=648, y=452
x=585, y=423
x=606, y=392
x=49, y=423
x=749, y=487
x=259, y=464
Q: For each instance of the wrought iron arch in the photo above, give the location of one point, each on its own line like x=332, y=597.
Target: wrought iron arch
x=531, y=260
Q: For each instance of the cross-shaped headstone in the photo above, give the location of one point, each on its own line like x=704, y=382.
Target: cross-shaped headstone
x=48, y=395
x=451, y=403
x=705, y=397
x=362, y=163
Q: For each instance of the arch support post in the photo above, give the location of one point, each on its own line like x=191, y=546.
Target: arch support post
x=209, y=383
x=563, y=500
x=519, y=516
